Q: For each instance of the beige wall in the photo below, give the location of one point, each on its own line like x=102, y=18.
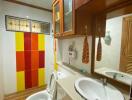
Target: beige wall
x=63, y=49
x=1, y=69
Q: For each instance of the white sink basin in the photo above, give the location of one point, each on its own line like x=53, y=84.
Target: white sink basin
x=123, y=77
x=91, y=89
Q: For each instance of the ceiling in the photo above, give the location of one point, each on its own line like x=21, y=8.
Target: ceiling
x=40, y=3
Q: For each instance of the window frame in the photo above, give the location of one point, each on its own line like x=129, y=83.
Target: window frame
x=30, y=24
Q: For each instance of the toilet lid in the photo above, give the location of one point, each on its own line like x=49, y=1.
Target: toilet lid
x=52, y=83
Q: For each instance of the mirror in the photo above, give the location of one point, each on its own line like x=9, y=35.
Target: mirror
x=116, y=59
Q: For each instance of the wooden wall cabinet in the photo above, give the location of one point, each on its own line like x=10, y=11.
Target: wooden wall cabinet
x=74, y=15
x=71, y=22
x=57, y=18
x=100, y=25
x=63, y=18
x=79, y=3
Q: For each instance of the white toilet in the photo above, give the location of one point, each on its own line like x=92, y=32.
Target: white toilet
x=49, y=92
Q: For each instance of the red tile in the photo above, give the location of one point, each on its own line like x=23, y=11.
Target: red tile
x=20, y=61
x=28, y=79
x=27, y=41
x=34, y=78
x=41, y=59
x=35, y=59
x=27, y=60
x=34, y=41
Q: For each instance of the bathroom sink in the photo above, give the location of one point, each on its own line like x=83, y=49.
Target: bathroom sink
x=112, y=74
x=91, y=89
x=120, y=76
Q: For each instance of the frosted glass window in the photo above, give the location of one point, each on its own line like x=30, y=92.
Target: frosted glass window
x=40, y=27
x=12, y=24
x=36, y=26
x=25, y=25
x=45, y=27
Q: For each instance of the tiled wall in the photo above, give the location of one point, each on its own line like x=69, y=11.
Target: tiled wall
x=30, y=60
x=8, y=44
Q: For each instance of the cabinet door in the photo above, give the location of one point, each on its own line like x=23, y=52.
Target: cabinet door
x=68, y=17
x=100, y=25
x=56, y=18
x=79, y=3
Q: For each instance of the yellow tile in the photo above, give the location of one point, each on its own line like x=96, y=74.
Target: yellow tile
x=19, y=41
x=41, y=42
x=41, y=76
x=20, y=81
x=55, y=61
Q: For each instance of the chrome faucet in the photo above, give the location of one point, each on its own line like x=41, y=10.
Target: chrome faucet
x=115, y=75
x=130, y=98
x=104, y=84
x=104, y=81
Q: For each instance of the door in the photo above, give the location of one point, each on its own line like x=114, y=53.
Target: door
x=126, y=46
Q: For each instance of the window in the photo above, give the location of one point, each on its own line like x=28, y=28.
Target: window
x=26, y=25
x=12, y=24
x=36, y=26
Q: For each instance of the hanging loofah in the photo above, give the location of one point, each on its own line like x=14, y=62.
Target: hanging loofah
x=99, y=50
x=85, y=56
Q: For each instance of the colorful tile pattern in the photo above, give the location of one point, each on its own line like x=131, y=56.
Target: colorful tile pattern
x=41, y=42
x=41, y=59
x=30, y=60
x=41, y=76
x=20, y=61
x=20, y=81
x=19, y=41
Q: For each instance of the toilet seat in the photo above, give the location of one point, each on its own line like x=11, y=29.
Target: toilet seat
x=42, y=95
x=46, y=94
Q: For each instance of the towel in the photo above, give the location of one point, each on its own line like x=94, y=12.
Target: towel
x=99, y=50
x=85, y=55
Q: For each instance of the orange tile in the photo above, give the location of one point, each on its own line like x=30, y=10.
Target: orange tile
x=35, y=59
x=34, y=78
x=20, y=61
x=34, y=41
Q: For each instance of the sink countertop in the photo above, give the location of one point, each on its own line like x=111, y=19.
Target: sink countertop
x=125, y=94
x=67, y=84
